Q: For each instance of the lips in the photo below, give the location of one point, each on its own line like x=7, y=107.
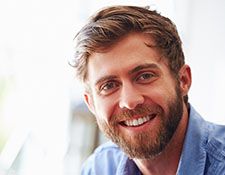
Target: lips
x=138, y=121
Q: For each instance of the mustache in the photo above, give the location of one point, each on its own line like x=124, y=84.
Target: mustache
x=139, y=110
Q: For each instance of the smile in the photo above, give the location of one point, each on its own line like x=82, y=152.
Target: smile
x=139, y=121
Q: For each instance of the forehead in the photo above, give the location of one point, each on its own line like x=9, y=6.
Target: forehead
x=133, y=50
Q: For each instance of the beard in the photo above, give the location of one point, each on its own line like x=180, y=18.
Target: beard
x=149, y=144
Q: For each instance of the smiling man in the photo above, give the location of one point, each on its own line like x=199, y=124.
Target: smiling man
x=131, y=63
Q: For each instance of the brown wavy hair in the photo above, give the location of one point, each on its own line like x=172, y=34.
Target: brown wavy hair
x=111, y=24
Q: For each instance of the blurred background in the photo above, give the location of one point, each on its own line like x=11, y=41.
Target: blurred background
x=44, y=126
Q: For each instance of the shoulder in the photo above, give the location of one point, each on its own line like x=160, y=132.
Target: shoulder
x=105, y=160
x=215, y=149
x=204, y=147
x=216, y=138
x=208, y=130
x=217, y=130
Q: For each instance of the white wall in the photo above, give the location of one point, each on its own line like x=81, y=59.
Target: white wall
x=204, y=41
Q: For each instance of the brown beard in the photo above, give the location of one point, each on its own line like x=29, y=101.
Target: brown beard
x=144, y=145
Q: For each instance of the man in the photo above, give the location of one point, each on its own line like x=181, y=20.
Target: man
x=131, y=63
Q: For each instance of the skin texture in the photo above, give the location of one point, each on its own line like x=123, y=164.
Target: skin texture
x=132, y=81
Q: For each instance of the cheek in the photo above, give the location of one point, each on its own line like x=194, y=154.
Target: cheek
x=161, y=96
x=104, y=108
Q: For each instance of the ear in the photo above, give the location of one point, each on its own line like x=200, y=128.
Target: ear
x=185, y=79
x=89, y=101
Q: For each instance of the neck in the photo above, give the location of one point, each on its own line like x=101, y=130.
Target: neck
x=167, y=162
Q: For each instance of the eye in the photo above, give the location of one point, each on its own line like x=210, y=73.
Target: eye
x=108, y=87
x=145, y=77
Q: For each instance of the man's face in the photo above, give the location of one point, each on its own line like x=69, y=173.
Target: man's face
x=136, y=100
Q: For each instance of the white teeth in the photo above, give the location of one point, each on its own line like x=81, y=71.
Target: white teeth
x=140, y=120
x=137, y=122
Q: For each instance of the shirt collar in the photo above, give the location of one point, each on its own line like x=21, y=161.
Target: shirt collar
x=127, y=167
x=193, y=156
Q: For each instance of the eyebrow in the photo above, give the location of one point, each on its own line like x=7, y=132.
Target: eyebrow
x=109, y=77
x=144, y=66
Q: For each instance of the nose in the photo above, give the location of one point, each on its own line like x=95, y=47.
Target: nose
x=130, y=97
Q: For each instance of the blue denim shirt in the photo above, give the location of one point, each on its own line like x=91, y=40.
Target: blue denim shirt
x=203, y=153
